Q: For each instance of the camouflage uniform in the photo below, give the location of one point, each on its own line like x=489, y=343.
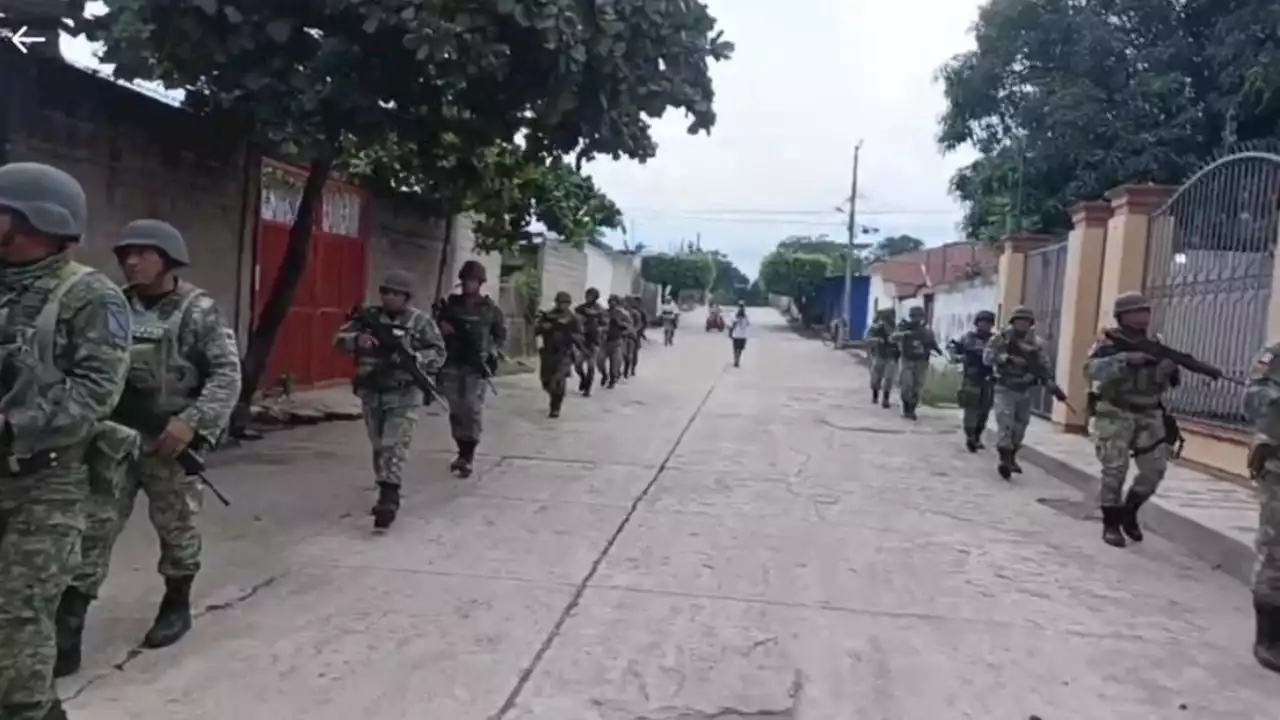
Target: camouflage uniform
x=1129, y=419
x=591, y=315
x=1262, y=405
x=1013, y=354
x=64, y=346
x=474, y=333
x=389, y=397
x=632, y=342
x=561, y=334
x=884, y=357
x=977, y=387
x=916, y=342
x=617, y=328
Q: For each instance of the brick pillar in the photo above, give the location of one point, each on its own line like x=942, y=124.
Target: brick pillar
x=1124, y=267
x=1273, y=304
x=1012, y=271
x=1081, y=286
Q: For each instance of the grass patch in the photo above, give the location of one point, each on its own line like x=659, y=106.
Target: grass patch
x=941, y=386
x=515, y=366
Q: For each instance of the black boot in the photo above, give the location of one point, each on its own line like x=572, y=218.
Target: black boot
x=465, y=462
x=174, y=619
x=556, y=402
x=908, y=410
x=1013, y=462
x=55, y=711
x=387, y=506
x=1003, y=467
x=72, y=609
x=1266, y=643
x=884, y=400
x=971, y=443
x=1129, y=521
x=1111, y=517
x=875, y=396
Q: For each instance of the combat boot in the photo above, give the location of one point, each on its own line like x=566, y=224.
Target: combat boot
x=875, y=396
x=971, y=443
x=884, y=400
x=1129, y=521
x=1111, y=533
x=1003, y=467
x=72, y=609
x=556, y=402
x=174, y=619
x=1013, y=462
x=55, y=711
x=465, y=462
x=387, y=506
x=1266, y=644
x=909, y=410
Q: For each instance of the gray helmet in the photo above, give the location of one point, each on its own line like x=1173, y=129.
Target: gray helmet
x=563, y=297
x=473, y=270
x=156, y=234
x=915, y=312
x=52, y=201
x=984, y=316
x=398, y=280
x=1022, y=312
x=592, y=294
x=614, y=299
x=1129, y=301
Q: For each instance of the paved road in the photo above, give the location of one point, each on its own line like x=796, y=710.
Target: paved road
x=702, y=543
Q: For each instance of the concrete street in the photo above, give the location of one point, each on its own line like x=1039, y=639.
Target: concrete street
x=702, y=542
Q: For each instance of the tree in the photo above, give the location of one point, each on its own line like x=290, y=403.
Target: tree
x=795, y=275
x=449, y=82
x=823, y=245
x=1064, y=100
x=674, y=273
x=729, y=282
x=895, y=245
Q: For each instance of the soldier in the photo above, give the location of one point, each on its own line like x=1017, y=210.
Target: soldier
x=65, y=351
x=1014, y=354
x=1262, y=405
x=474, y=333
x=389, y=397
x=184, y=371
x=884, y=357
x=591, y=315
x=1128, y=418
x=916, y=342
x=561, y=334
x=617, y=329
x=631, y=346
x=977, y=389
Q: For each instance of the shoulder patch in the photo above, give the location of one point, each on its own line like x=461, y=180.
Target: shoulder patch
x=117, y=321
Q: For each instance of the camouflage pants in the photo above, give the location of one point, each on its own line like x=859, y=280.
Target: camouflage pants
x=883, y=373
x=390, y=423
x=630, y=355
x=1116, y=433
x=174, y=501
x=610, y=362
x=39, y=550
x=1266, y=569
x=1013, y=414
x=464, y=390
x=554, y=368
x=911, y=377
x=585, y=362
x=976, y=398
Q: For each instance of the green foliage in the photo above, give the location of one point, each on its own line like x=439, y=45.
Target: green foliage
x=895, y=245
x=1064, y=100
x=823, y=245
x=796, y=275
x=729, y=282
x=941, y=386
x=527, y=285
x=675, y=273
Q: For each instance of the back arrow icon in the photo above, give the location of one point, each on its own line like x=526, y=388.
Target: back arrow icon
x=21, y=40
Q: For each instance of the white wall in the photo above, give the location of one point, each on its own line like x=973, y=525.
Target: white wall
x=955, y=305
x=462, y=249
x=881, y=296
x=563, y=267
x=626, y=268
x=599, y=272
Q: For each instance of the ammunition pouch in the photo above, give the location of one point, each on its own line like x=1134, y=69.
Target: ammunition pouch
x=1172, y=437
x=111, y=449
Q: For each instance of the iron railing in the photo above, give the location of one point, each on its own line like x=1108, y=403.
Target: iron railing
x=1209, y=263
x=1042, y=292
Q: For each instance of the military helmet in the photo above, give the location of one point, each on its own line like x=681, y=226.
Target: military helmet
x=613, y=299
x=1129, y=301
x=398, y=280
x=563, y=297
x=592, y=294
x=473, y=270
x=52, y=201
x=916, y=312
x=1022, y=312
x=156, y=234
x=984, y=316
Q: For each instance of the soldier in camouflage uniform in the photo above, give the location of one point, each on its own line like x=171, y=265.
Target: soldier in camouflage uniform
x=1129, y=419
x=1262, y=405
x=884, y=357
x=64, y=354
x=184, y=368
x=591, y=315
x=561, y=333
x=617, y=327
x=915, y=341
x=1014, y=354
x=631, y=346
x=474, y=333
x=389, y=397
x=977, y=388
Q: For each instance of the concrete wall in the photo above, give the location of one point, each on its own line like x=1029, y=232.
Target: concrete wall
x=880, y=296
x=462, y=247
x=626, y=275
x=404, y=238
x=563, y=267
x=599, y=271
x=955, y=305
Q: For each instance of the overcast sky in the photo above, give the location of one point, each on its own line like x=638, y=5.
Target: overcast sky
x=809, y=79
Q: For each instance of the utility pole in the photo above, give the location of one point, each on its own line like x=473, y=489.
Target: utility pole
x=853, y=237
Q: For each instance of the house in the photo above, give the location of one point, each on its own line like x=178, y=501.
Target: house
x=949, y=275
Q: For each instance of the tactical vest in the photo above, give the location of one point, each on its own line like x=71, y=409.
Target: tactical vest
x=1138, y=390
x=912, y=344
x=157, y=368
x=472, y=340
x=591, y=314
x=373, y=371
x=1014, y=376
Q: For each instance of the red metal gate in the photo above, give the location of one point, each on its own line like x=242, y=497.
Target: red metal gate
x=333, y=282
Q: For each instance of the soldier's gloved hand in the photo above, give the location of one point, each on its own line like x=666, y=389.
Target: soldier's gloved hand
x=366, y=341
x=176, y=437
x=1137, y=358
x=1167, y=366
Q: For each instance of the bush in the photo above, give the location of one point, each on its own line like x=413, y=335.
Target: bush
x=941, y=386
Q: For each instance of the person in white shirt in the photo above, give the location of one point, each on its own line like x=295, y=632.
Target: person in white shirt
x=670, y=319
x=738, y=333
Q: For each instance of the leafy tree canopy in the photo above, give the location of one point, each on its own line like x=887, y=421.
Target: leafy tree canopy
x=895, y=245
x=834, y=250
x=729, y=282
x=1064, y=100
x=674, y=273
x=796, y=275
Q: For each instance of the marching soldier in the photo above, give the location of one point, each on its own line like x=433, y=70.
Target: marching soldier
x=561, y=333
x=591, y=315
x=616, y=330
x=389, y=397
x=66, y=352
x=884, y=357
x=1262, y=405
x=1014, y=354
x=631, y=344
x=1129, y=419
x=977, y=388
x=474, y=333
x=916, y=342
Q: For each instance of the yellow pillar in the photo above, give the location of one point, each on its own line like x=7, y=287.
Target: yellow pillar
x=1124, y=267
x=1012, y=272
x=1082, y=281
x=1273, y=305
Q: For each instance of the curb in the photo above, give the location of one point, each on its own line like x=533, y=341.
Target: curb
x=1220, y=551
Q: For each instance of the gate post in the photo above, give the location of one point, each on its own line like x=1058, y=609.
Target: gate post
x=1124, y=265
x=1012, y=272
x=1082, y=281
x=1273, y=302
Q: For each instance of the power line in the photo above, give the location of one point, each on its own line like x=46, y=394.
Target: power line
x=769, y=221
x=787, y=213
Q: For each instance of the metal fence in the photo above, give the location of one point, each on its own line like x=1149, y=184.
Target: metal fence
x=1209, y=264
x=1042, y=292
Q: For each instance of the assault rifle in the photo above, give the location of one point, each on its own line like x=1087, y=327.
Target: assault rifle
x=393, y=343
x=1160, y=351
x=136, y=411
x=1036, y=368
